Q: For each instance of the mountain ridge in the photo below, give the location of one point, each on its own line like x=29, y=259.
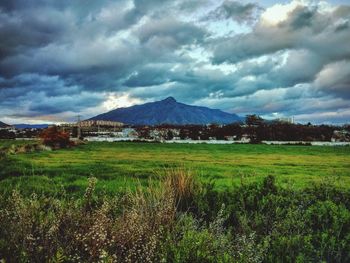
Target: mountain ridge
x=4, y=125
x=168, y=111
x=31, y=126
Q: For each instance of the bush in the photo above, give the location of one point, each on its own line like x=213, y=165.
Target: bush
x=55, y=139
x=191, y=242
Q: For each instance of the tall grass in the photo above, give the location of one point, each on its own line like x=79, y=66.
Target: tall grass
x=127, y=228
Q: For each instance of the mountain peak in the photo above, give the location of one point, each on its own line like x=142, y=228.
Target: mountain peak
x=167, y=111
x=170, y=99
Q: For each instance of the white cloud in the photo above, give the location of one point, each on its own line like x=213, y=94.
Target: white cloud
x=278, y=13
x=118, y=100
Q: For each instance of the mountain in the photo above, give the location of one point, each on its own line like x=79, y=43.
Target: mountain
x=3, y=125
x=168, y=111
x=30, y=126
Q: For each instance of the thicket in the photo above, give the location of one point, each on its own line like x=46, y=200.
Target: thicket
x=55, y=138
x=179, y=219
x=257, y=131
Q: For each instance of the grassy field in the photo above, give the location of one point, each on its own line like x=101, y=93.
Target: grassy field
x=118, y=165
x=9, y=143
x=247, y=216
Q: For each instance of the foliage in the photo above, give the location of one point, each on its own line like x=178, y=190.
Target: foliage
x=253, y=120
x=55, y=138
x=179, y=219
x=256, y=128
x=175, y=217
x=6, y=134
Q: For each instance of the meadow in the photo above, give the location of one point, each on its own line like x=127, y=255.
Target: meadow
x=120, y=165
x=152, y=202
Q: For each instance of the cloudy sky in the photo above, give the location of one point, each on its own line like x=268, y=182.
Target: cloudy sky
x=62, y=58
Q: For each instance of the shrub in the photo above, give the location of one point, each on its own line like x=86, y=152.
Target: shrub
x=192, y=242
x=54, y=138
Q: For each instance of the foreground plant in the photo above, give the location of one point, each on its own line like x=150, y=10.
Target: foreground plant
x=178, y=219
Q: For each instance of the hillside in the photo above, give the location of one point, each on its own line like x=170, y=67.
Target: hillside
x=3, y=125
x=168, y=111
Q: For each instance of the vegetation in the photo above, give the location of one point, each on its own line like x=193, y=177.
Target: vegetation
x=10, y=147
x=179, y=219
x=19, y=133
x=256, y=128
x=103, y=202
x=118, y=165
x=55, y=138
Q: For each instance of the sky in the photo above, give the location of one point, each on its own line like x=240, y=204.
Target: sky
x=60, y=59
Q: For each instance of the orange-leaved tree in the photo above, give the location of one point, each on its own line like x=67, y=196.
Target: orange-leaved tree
x=55, y=138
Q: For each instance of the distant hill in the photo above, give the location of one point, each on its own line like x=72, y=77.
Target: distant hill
x=3, y=125
x=30, y=126
x=168, y=111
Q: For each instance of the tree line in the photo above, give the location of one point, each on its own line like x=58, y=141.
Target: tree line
x=254, y=128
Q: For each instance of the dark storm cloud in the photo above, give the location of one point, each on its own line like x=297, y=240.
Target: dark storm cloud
x=57, y=50
x=148, y=76
x=65, y=57
x=52, y=105
x=192, y=5
x=302, y=17
x=335, y=79
x=315, y=41
x=76, y=46
x=146, y=6
x=185, y=84
x=30, y=95
x=305, y=28
x=22, y=31
x=25, y=83
x=242, y=13
x=81, y=7
x=170, y=32
x=301, y=66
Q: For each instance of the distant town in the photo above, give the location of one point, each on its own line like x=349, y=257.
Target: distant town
x=253, y=130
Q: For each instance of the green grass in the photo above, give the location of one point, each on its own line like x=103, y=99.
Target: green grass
x=120, y=165
x=9, y=143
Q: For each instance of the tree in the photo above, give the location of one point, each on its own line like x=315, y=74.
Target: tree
x=143, y=132
x=55, y=138
x=254, y=120
x=5, y=134
x=169, y=135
